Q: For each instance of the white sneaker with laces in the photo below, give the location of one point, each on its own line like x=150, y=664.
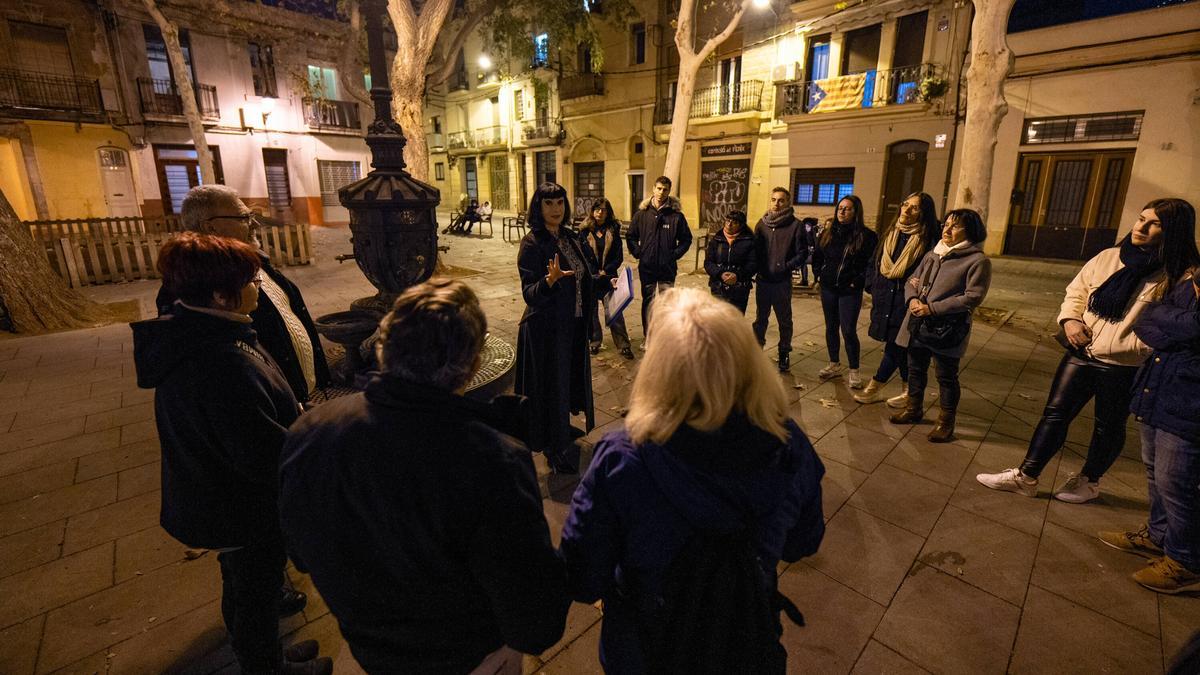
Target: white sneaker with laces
x=831, y=371
x=1077, y=490
x=1009, y=480
x=853, y=380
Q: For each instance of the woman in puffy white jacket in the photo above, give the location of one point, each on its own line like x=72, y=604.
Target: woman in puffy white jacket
x=1103, y=354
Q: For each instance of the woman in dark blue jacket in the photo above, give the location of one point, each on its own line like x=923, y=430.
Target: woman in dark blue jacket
x=1166, y=401
x=707, y=447
x=730, y=261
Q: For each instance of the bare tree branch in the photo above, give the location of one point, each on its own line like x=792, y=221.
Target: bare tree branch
x=472, y=20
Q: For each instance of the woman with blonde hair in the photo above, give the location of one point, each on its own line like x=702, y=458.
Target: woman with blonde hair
x=708, y=453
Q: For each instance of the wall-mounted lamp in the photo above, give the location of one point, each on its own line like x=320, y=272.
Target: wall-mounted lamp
x=485, y=62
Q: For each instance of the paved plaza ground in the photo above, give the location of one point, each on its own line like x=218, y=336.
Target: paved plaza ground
x=922, y=569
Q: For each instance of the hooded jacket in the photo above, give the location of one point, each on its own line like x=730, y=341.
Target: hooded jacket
x=1114, y=342
x=421, y=524
x=222, y=408
x=957, y=283
x=627, y=520
x=1164, y=393
x=781, y=248
x=657, y=238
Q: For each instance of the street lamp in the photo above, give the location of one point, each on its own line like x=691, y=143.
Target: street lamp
x=485, y=62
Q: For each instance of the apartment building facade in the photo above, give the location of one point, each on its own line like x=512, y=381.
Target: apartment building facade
x=93, y=118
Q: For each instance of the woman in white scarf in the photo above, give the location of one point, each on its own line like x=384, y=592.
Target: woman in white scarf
x=900, y=250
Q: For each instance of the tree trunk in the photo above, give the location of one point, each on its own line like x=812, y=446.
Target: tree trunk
x=35, y=296
x=991, y=62
x=408, y=107
x=187, y=91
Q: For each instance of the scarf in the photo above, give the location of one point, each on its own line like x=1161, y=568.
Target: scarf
x=777, y=218
x=1111, y=300
x=942, y=250
x=912, y=251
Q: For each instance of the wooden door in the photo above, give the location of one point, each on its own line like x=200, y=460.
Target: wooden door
x=905, y=174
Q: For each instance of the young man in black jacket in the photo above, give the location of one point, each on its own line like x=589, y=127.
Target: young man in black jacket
x=781, y=249
x=281, y=321
x=222, y=406
x=418, y=517
x=658, y=236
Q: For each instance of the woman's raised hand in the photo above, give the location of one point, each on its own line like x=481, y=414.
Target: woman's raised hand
x=554, y=272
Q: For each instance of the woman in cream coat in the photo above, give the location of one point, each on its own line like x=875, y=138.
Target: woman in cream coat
x=1103, y=353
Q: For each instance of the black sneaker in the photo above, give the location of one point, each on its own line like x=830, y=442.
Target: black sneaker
x=785, y=363
x=627, y=353
x=291, y=602
x=594, y=349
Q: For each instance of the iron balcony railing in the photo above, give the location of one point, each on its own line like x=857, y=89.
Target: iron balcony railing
x=320, y=113
x=725, y=99
x=28, y=89
x=161, y=97
x=871, y=89
x=477, y=138
x=436, y=141
x=541, y=132
x=578, y=86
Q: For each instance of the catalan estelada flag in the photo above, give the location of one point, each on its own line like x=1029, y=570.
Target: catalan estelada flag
x=837, y=93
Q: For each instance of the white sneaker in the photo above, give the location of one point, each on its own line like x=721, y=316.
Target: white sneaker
x=853, y=380
x=1009, y=480
x=1077, y=490
x=831, y=371
x=899, y=401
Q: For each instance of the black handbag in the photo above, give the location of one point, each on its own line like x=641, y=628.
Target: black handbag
x=939, y=331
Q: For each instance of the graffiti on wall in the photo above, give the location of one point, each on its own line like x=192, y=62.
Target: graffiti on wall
x=724, y=187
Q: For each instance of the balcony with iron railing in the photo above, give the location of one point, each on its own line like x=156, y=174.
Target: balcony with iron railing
x=578, y=86
x=872, y=89
x=541, y=132
x=483, y=138
x=32, y=92
x=320, y=113
x=161, y=97
x=436, y=141
x=726, y=99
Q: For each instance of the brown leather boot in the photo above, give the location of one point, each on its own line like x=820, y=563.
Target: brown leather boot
x=943, y=431
x=912, y=413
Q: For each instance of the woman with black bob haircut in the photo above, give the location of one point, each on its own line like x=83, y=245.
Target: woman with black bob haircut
x=600, y=239
x=553, y=366
x=951, y=281
x=840, y=262
x=902, y=245
x=1102, y=354
x=730, y=260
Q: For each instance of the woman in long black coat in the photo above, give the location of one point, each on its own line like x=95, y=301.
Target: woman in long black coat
x=553, y=365
x=730, y=261
x=901, y=247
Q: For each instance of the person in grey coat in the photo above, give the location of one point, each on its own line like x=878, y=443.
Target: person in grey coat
x=951, y=281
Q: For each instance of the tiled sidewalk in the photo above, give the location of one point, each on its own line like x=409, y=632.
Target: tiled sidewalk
x=922, y=569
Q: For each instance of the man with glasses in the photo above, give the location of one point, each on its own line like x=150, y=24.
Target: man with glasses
x=282, y=323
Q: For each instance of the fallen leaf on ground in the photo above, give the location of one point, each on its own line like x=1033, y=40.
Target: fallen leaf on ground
x=829, y=402
x=1027, y=397
x=799, y=386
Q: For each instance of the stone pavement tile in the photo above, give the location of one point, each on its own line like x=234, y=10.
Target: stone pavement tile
x=985, y=383
x=31, y=548
x=876, y=417
x=902, y=498
x=581, y=657
x=6, y=421
x=133, y=482
x=57, y=504
x=815, y=419
x=948, y=626
x=118, y=459
x=47, y=433
x=1119, y=507
x=19, y=646
x=18, y=486
x=143, y=552
x=171, y=645
x=46, y=399
x=878, y=659
x=1009, y=424
x=1180, y=617
x=1006, y=508
x=109, y=522
x=118, y=417
x=13, y=389
x=1059, y=636
x=851, y=445
x=119, y=385
x=866, y=553
x=839, y=483
x=123, y=611
x=1096, y=576
x=838, y=622
x=58, y=451
x=34, y=591
x=975, y=404
x=138, y=431
x=580, y=618
x=941, y=462
x=71, y=377
x=982, y=552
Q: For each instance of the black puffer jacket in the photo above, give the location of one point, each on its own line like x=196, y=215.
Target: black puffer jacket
x=222, y=408
x=840, y=270
x=740, y=257
x=658, y=237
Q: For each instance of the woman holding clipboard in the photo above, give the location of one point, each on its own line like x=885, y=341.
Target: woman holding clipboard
x=600, y=238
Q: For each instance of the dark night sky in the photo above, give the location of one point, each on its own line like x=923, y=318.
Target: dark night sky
x=1030, y=14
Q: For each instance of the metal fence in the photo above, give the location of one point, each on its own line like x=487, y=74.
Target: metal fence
x=725, y=99
x=325, y=113
x=28, y=89
x=161, y=97
x=897, y=86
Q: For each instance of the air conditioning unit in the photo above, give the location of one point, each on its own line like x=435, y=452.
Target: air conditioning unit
x=784, y=72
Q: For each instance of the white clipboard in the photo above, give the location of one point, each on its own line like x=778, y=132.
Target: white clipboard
x=622, y=295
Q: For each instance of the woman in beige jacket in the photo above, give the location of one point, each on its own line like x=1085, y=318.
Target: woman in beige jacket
x=1103, y=354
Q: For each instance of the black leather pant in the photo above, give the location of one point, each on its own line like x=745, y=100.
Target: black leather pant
x=1075, y=383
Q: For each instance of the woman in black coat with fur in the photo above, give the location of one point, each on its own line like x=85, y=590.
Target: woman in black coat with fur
x=553, y=366
x=730, y=260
